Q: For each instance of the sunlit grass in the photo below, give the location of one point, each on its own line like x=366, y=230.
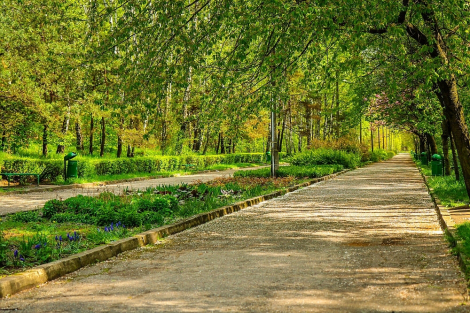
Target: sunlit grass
x=452, y=193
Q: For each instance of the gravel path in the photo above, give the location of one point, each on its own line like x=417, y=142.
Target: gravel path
x=367, y=241
x=30, y=201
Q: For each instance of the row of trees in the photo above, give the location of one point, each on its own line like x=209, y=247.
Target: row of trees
x=203, y=75
x=99, y=76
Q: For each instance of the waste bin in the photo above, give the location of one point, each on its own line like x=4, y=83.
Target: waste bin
x=424, y=158
x=268, y=156
x=437, y=165
x=70, y=167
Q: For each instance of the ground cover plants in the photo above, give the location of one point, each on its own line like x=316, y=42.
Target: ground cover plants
x=62, y=228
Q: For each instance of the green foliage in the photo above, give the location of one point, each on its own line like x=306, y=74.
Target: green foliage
x=326, y=156
x=295, y=171
x=52, y=170
x=25, y=217
x=377, y=155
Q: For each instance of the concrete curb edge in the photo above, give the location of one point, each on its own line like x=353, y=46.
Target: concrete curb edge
x=41, y=274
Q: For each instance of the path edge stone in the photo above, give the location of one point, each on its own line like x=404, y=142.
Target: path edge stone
x=43, y=273
x=448, y=226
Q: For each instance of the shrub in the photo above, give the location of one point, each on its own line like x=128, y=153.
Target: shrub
x=378, y=155
x=53, y=207
x=326, y=156
x=295, y=171
x=25, y=217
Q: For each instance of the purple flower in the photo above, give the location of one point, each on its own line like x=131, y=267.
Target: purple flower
x=60, y=238
x=21, y=259
x=38, y=246
x=106, y=229
x=15, y=253
x=56, y=238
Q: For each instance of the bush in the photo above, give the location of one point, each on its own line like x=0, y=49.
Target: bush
x=53, y=207
x=378, y=155
x=25, y=217
x=326, y=156
x=295, y=171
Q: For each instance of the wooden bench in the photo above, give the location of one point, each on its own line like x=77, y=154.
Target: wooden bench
x=8, y=175
x=190, y=166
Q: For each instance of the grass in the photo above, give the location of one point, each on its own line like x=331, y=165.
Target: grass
x=452, y=193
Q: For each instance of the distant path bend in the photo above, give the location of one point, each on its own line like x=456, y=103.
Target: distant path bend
x=367, y=241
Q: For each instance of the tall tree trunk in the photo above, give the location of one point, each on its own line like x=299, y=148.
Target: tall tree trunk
x=4, y=139
x=383, y=137
x=360, y=130
x=432, y=143
x=78, y=132
x=308, y=123
x=378, y=136
x=281, y=137
x=65, y=128
x=372, y=140
x=445, y=146
x=206, y=144
x=44, y=140
x=229, y=146
x=92, y=129
x=218, y=144
x=422, y=143
x=103, y=136
x=454, y=157
x=119, y=143
x=222, y=144
x=453, y=111
x=337, y=105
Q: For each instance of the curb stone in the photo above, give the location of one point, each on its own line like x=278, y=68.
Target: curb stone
x=41, y=274
x=448, y=226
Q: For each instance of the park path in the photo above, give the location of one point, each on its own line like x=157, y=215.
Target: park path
x=29, y=201
x=366, y=241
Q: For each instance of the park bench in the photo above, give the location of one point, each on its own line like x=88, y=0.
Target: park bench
x=9, y=175
x=190, y=167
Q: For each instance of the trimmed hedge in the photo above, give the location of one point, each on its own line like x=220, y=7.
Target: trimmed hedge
x=52, y=169
x=295, y=171
x=326, y=156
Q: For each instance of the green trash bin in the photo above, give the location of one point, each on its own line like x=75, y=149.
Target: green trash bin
x=437, y=165
x=424, y=158
x=70, y=167
x=268, y=156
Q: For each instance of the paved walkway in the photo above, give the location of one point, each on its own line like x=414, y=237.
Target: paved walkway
x=367, y=241
x=30, y=201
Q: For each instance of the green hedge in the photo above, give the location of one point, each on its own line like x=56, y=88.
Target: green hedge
x=295, y=171
x=326, y=156
x=377, y=155
x=52, y=169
